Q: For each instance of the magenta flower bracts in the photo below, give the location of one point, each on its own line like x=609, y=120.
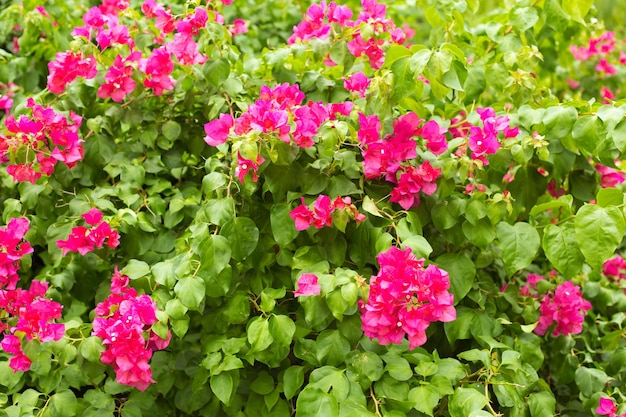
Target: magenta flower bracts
x=321, y=214
x=405, y=298
x=24, y=314
x=33, y=145
x=566, y=308
x=32, y=317
x=86, y=239
x=12, y=249
x=123, y=322
x=307, y=285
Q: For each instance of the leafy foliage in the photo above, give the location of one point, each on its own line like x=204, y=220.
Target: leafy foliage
x=288, y=196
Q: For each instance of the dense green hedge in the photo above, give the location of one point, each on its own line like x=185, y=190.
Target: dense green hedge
x=277, y=208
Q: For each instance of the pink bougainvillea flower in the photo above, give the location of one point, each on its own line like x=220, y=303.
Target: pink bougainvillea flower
x=67, y=67
x=13, y=345
x=357, y=83
x=435, y=137
x=566, y=308
x=603, y=67
x=405, y=298
x=322, y=212
x=217, y=130
x=12, y=249
x=238, y=27
x=369, y=131
x=609, y=177
x=84, y=240
x=245, y=166
x=307, y=285
x=615, y=267
x=34, y=317
x=607, y=407
x=119, y=79
x=302, y=216
x=121, y=322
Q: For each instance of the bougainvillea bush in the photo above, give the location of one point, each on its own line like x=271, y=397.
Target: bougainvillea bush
x=282, y=208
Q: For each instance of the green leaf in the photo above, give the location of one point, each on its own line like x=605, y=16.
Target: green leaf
x=190, y=291
x=136, y=269
x=419, y=245
x=313, y=402
x=293, y=380
x=332, y=347
x=586, y=132
x=263, y=384
x=425, y=398
x=464, y=401
x=91, y=348
x=459, y=328
x=542, y=404
x=398, y=367
x=577, y=9
x=171, y=130
x=216, y=71
x=394, y=52
x=559, y=121
x=590, y=380
x=555, y=16
x=214, y=252
x=523, y=18
x=461, y=271
x=259, y=335
x=243, y=236
x=282, y=329
x=599, y=231
x=404, y=78
x=619, y=136
x=476, y=355
x=63, y=403
x=283, y=226
x=222, y=386
x=365, y=367
x=519, y=245
x=419, y=60
x=561, y=248
x=610, y=197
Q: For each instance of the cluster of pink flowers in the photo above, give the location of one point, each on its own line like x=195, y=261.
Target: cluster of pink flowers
x=485, y=141
x=390, y=156
x=564, y=307
x=609, y=177
x=321, y=214
x=319, y=19
x=529, y=289
x=602, y=49
x=33, y=315
x=24, y=313
x=103, y=23
x=12, y=249
x=278, y=112
x=307, y=285
x=123, y=321
x=67, y=67
x=7, y=91
x=608, y=408
x=357, y=83
x=33, y=145
x=615, y=268
x=84, y=240
x=405, y=298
